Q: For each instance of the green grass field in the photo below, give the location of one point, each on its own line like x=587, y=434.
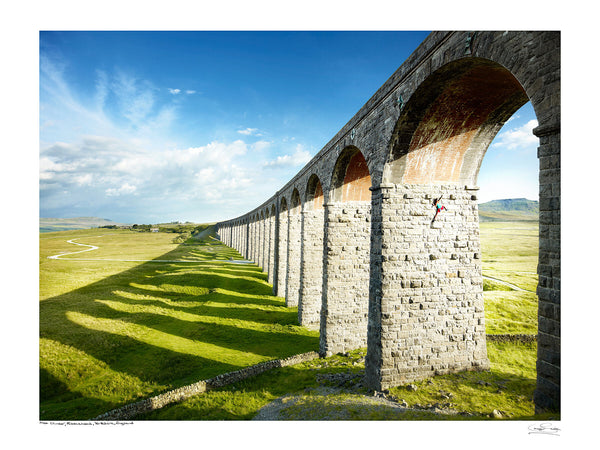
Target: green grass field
x=113, y=332
x=510, y=253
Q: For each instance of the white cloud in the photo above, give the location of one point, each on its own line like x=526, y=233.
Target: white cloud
x=84, y=180
x=102, y=89
x=135, y=97
x=298, y=158
x=215, y=153
x=113, y=168
x=518, y=137
x=207, y=175
x=179, y=91
x=124, y=189
x=47, y=167
x=249, y=132
x=259, y=146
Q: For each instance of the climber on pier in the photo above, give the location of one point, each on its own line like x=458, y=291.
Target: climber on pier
x=438, y=207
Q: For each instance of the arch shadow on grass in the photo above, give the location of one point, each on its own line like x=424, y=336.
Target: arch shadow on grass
x=159, y=326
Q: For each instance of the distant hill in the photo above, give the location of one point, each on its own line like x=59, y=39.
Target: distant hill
x=74, y=223
x=509, y=210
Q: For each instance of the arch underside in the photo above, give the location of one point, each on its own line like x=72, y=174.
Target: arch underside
x=444, y=131
x=351, y=179
x=314, y=194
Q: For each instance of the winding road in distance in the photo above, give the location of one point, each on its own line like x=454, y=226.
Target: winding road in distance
x=94, y=247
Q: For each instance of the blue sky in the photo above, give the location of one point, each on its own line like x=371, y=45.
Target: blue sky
x=149, y=127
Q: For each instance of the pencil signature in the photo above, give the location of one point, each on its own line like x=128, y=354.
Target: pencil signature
x=544, y=428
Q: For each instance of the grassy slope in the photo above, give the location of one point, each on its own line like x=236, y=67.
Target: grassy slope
x=509, y=210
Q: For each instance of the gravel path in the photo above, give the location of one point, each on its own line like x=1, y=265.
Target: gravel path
x=92, y=247
x=341, y=396
x=318, y=404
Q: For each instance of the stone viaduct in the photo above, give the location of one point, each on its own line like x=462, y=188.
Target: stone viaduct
x=350, y=239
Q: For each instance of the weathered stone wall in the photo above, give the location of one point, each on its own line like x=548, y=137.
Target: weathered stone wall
x=270, y=249
x=428, y=295
x=177, y=395
x=311, y=282
x=283, y=251
x=548, y=291
x=345, y=302
x=293, y=257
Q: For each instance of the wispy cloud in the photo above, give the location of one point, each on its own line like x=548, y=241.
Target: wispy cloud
x=125, y=189
x=298, y=158
x=177, y=91
x=136, y=97
x=517, y=138
x=249, y=132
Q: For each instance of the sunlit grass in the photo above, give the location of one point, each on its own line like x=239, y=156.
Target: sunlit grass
x=510, y=253
x=118, y=332
x=512, y=312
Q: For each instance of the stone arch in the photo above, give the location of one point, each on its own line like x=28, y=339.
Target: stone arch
x=270, y=236
x=260, y=244
x=282, y=246
x=311, y=280
x=295, y=202
x=253, y=237
x=437, y=147
x=449, y=122
x=351, y=179
x=345, y=294
x=243, y=237
x=238, y=236
x=410, y=159
x=294, y=249
x=314, y=198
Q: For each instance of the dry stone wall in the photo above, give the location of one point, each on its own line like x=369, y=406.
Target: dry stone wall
x=177, y=395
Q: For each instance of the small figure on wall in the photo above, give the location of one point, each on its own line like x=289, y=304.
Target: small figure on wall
x=438, y=207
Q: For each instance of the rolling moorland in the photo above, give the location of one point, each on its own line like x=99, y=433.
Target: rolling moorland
x=512, y=209
x=144, y=313
x=48, y=225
